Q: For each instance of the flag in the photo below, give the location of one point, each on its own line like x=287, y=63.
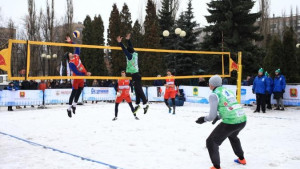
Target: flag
x=3, y=59
x=233, y=65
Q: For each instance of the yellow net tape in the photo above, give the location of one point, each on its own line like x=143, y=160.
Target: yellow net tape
x=112, y=48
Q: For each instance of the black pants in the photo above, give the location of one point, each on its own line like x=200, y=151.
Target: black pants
x=75, y=95
x=261, y=102
x=173, y=102
x=268, y=101
x=219, y=134
x=139, y=93
x=117, y=109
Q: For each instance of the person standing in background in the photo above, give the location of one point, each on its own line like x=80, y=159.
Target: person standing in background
x=259, y=88
x=269, y=90
x=279, y=89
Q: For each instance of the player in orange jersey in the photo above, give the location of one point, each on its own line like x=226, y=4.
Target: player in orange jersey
x=171, y=91
x=123, y=93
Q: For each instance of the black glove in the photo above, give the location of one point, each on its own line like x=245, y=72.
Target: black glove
x=283, y=91
x=215, y=120
x=253, y=92
x=200, y=120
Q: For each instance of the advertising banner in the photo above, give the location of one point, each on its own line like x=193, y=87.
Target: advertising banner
x=21, y=97
x=54, y=96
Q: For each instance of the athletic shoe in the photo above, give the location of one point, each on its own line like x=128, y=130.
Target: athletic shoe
x=214, y=168
x=69, y=113
x=243, y=162
x=170, y=109
x=256, y=111
x=136, y=118
x=173, y=112
x=73, y=108
x=282, y=109
x=114, y=119
x=146, y=109
x=136, y=109
x=277, y=108
x=264, y=111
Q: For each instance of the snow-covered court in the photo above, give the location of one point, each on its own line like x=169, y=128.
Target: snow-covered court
x=48, y=139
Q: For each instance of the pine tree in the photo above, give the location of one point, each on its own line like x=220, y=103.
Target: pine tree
x=273, y=59
x=151, y=62
x=187, y=63
x=86, y=54
x=233, y=19
x=98, y=66
x=166, y=22
x=137, y=35
x=126, y=22
x=289, y=62
x=114, y=29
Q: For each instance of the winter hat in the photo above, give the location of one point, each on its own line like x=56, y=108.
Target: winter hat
x=261, y=70
x=277, y=71
x=266, y=74
x=215, y=81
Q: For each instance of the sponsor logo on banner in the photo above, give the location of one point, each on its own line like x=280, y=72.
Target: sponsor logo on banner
x=195, y=91
x=243, y=92
x=99, y=91
x=293, y=92
x=22, y=94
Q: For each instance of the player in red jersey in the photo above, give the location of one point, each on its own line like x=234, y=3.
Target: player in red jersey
x=78, y=70
x=123, y=93
x=170, y=91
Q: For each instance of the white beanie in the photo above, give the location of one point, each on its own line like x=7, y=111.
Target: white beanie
x=215, y=81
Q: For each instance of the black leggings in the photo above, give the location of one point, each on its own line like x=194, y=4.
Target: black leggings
x=219, y=134
x=117, y=108
x=75, y=95
x=173, y=102
x=137, y=83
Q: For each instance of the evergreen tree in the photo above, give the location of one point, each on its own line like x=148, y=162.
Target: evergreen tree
x=273, y=59
x=166, y=22
x=151, y=62
x=87, y=39
x=233, y=19
x=137, y=39
x=126, y=22
x=114, y=29
x=98, y=68
x=289, y=64
x=186, y=64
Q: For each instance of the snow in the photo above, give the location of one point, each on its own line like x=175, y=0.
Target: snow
x=158, y=140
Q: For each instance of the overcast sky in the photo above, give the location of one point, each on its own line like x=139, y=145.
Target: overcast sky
x=17, y=9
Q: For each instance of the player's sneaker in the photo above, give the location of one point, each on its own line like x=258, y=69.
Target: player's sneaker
x=136, y=118
x=114, y=119
x=136, y=109
x=146, y=109
x=174, y=112
x=243, y=162
x=69, y=113
x=170, y=109
x=214, y=168
x=73, y=109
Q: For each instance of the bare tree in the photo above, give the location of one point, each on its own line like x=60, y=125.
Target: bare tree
x=264, y=20
x=69, y=16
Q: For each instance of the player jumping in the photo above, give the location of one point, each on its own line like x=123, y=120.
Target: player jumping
x=133, y=69
x=78, y=70
x=170, y=91
x=123, y=93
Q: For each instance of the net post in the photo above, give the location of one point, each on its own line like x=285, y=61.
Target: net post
x=239, y=79
x=28, y=59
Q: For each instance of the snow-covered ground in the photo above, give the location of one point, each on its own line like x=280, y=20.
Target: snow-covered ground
x=158, y=140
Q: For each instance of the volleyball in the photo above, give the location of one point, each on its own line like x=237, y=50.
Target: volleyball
x=76, y=34
x=166, y=33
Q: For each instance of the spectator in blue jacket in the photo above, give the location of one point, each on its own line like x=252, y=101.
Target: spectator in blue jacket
x=11, y=87
x=259, y=88
x=269, y=90
x=279, y=89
